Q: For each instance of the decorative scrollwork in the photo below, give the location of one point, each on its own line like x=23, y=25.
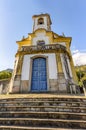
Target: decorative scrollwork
x=42, y=48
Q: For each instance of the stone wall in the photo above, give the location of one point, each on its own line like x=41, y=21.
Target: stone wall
x=25, y=86
x=4, y=83
x=52, y=86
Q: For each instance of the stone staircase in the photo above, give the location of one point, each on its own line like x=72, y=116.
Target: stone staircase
x=42, y=112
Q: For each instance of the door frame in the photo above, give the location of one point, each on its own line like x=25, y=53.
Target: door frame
x=47, y=70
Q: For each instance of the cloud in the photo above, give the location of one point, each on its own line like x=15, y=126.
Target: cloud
x=79, y=57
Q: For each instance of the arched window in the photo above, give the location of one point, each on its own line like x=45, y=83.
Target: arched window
x=41, y=43
x=40, y=21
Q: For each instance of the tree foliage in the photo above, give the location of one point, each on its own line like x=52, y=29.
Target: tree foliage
x=81, y=74
x=5, y=74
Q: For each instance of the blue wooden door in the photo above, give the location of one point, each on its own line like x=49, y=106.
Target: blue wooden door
x=39, y=75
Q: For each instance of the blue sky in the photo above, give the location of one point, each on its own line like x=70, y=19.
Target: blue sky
x=68, y=16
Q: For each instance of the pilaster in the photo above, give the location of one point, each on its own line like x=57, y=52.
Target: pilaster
x=59, y=63
x=16, y=88
x=73, y=71
x=61, y=78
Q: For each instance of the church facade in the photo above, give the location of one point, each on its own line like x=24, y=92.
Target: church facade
x=43, y=62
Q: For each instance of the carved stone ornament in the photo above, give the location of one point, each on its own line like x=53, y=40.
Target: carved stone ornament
x=38, y=48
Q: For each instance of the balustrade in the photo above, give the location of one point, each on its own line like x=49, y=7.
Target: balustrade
x=42, y=48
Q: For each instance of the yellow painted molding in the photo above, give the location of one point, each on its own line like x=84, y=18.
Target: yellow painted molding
x=73, y=71
x=59, y=63
x=53, y=38
x=63, y=39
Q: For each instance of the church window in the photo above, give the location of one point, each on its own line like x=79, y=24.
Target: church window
x=40, y=21
x=40, y=43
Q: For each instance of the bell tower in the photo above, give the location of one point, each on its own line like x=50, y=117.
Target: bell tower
x=42, y=21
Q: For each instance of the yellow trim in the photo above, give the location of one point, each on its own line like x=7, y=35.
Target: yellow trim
x=53, y=38
x=59, y=64
x=73, y=71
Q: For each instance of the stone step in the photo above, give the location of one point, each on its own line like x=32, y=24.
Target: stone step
x=32, y=128
x=36, y=103
x=47, y=115
x=45, y=99
x=27, y=101
x=42, y=112
x=37, y=122
x=44, y=108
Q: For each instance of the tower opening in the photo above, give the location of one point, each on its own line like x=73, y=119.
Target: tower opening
x=40, y=21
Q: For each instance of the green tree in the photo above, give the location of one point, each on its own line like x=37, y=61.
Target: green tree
x=80, y=75
x=5, y=74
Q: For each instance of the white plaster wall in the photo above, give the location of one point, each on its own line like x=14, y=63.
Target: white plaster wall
x=52, y=67
x=36, y=26
x=25, y=68
x=62, y=43
x=40, y=36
